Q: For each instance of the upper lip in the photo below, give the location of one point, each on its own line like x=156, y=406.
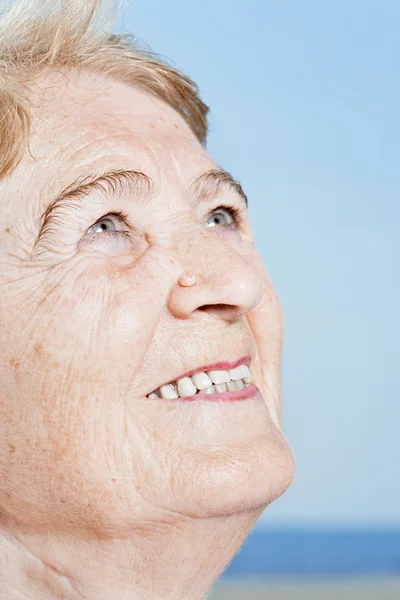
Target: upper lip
x=217, y=366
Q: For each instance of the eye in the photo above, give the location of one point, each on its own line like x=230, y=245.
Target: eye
x=219, y=214
x=107, y=224
x=102, y=225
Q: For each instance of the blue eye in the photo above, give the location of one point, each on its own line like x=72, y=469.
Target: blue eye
x=107, y=225
x=101, y=226
x=235, y=215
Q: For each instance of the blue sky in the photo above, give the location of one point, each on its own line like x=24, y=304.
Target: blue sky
x=305, y=112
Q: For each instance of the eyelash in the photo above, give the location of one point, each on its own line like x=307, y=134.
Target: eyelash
x=234, y=212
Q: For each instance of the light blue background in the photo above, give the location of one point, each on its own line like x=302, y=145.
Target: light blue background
x=305, y=107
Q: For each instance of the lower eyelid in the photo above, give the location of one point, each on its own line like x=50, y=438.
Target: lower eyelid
x=108, y=234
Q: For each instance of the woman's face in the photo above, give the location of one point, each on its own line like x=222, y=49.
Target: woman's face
x=93, y=320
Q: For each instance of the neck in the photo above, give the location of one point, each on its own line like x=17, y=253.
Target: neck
x=158, y=562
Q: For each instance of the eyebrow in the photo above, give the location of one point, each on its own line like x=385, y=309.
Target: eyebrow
x=213, y=182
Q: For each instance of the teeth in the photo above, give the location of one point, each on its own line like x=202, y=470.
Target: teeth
x=219, y=376
x=224, y=381
x=201, y=381
x=232, y=386
x=186, y=387
x=246, y=377
x=168, y=391
x=208, y=390
x=220, y=388
x=237, y=373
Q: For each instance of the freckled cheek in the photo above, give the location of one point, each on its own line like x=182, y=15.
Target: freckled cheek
x=76, y=321
x=105, y=310
x=94, y=324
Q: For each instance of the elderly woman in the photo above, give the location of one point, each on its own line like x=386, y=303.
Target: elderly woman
x=140, y=334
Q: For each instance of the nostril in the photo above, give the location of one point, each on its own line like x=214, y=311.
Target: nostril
x=227, y=312
x=215, y=307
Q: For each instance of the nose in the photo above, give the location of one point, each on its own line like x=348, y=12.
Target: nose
x=219, y=281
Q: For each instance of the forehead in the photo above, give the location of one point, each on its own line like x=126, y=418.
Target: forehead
x=85, y=102
x=84, y=121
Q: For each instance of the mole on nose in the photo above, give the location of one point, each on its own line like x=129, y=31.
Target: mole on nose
x=187, y=280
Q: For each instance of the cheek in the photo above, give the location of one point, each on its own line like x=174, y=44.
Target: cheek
x=269, y=306
x=265, y=322
x=85, y=327
x=67, y=368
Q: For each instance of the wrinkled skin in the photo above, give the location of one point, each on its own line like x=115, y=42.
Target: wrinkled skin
x=104, y=493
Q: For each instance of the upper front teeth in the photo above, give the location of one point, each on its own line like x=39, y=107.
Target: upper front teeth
x=201, y=380
x=231, y=380
x=219, y=376
x=186, y=387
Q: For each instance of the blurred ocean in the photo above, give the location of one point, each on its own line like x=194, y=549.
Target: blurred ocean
x=317, y=552
x=314, y=564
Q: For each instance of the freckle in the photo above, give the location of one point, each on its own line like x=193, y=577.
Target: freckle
x=14, y=363
x=38, y=348
x=30, y=573
x=152, y=126
x=8, y=230
x=62, y=500
x=11, y=448
x=176, y=126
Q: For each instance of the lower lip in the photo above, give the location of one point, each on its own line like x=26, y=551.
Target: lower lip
x=243, y=394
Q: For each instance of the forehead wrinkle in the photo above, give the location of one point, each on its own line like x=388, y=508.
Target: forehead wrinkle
x=137, y=144
x=177, y=165
x=177, y=168
x=96, y=156
x=76, y=146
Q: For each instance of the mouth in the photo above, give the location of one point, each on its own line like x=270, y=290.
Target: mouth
x=219, y=380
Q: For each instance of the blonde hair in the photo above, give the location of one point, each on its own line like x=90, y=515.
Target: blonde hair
x=38, y=35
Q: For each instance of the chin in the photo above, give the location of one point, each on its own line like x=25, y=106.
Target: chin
x=240, y=480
